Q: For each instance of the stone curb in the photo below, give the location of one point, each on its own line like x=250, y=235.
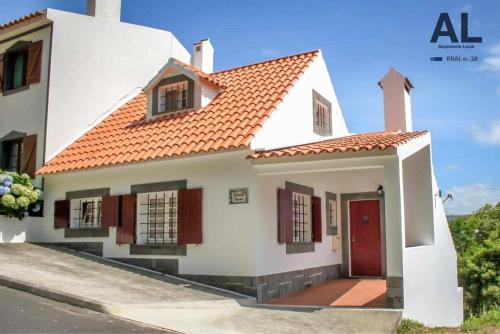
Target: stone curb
x=58, y=296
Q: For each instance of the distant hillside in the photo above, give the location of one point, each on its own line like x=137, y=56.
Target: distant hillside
x=453, y=217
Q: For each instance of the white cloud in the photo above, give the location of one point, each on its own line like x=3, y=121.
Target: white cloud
x=492, y=61
x=470, y=197
x=451, y=167
x=489, y=135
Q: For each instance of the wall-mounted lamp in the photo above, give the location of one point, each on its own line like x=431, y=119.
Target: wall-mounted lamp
x=449, y=196
x=380, y=189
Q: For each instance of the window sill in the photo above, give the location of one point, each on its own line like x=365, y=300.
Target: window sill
x=300, y=247
x=101, y=232
x=13, y=91
x=158, y=250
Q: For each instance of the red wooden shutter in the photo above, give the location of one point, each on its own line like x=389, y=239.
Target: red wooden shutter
x=316, y=219
x=189, y=216
x=110, y=211
x=34, y=69
x=61, y=214
x=285, y=219
x=28, y=161
x=2, y=56
x=125, y=232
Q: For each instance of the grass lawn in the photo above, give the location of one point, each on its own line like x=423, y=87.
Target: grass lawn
x=487, y=323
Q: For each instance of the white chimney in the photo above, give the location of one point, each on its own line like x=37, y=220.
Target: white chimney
x=203, y=56
x=397, y=101
x=106, y=9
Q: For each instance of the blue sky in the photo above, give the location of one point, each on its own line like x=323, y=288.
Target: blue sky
x=457, y=101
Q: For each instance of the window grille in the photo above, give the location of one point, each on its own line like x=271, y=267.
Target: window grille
x=301, y=217
x=86, y=212
x=157, y=217
x=332, y=213
x=322, y=116
x=173, y=97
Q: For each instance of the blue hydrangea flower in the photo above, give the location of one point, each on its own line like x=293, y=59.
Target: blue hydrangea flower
x=7, y=183
x=3, y=190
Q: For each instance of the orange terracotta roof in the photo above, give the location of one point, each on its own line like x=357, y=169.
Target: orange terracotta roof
x=210, y=78
x=229, y=121
x=361, y=142
x=21, y=19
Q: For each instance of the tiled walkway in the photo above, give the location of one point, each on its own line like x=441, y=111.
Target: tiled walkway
x=340, y=292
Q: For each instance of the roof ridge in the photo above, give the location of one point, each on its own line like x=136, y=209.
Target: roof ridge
x=265, y=61
x=23, y=18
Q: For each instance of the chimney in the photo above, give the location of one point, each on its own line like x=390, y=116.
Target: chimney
x=203, y=57
x=397, y=101
x=106, y=9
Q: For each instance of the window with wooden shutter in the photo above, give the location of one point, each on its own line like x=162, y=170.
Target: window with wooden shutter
x=2, y=56
x=28, y=160
x=190, y=216
x=34, y=68
x=285, y=216
x=125, y=231
x=110, y=211
x=316, y=219
x=61, y=214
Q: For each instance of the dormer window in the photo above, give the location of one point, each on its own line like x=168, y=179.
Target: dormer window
x=173, y=94
x=322, y=115
x=173, y=97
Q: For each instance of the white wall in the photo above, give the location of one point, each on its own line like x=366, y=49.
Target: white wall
x=418, y=198
x=24, y=111
x=431, y=292
x=271, y=256
x=95, y=63
x=229, y=231
x=292, y=122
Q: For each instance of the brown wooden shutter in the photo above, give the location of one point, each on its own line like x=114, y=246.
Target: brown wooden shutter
x=28, y=160
x=125, y=231
x=2, y=57
x=316, y=219
x=110, y=211
x=189, y=216
x=61, y=214
x=285, y=219
x=34, y=70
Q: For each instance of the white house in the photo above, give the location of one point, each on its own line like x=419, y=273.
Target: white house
x=247, y=178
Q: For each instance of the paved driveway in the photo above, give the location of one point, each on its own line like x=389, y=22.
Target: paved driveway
x=21, y=312
x=171, y=303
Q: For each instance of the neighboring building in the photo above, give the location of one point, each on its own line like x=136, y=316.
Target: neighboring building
x=247, y=178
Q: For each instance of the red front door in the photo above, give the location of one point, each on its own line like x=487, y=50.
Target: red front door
x=366, y=251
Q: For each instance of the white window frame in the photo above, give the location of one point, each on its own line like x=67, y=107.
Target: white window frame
x=301, y=217
x=81, y=216
x=156, y=225
x=162, y=96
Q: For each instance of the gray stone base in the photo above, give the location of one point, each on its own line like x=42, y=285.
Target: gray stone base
x=271, y=286
x=102, y=232
x=395, y=292
x=167, y=266
x=89, y=247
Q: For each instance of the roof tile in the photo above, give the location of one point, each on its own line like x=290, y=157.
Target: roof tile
x=361, y=142
x=249, y=94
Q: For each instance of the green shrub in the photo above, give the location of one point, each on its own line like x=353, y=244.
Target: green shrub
x=477, y=240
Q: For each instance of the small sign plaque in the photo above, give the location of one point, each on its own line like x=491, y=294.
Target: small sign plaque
x=238, y=196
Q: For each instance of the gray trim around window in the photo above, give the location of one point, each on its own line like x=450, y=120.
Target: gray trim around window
x=330, y=230
x=158, y=249
x=158, y=186
x=298, y=188
x=102, y=232
x=318, y=97
x=168, y=81
x=101, y=192
x=344, y=199
x=300, y=247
